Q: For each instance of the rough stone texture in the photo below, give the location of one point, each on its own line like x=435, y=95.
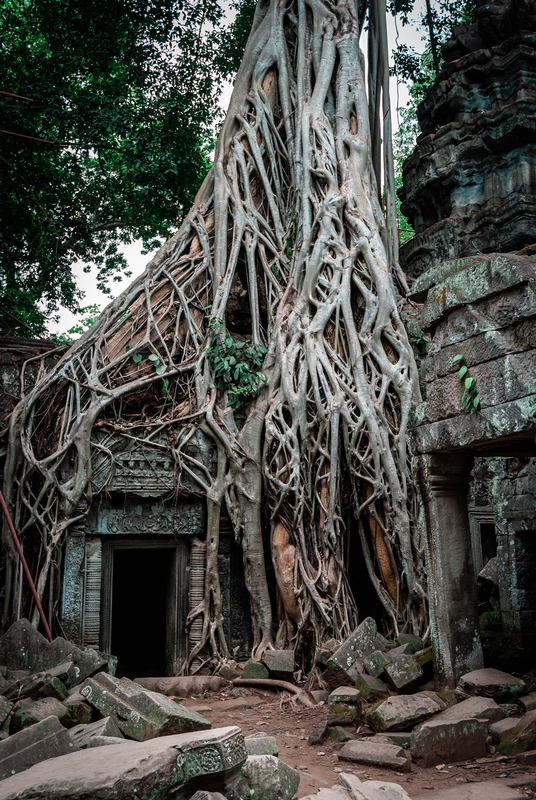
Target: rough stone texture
x=37, y=686
x=44, y=740
x=520, y=738
x=260, y=744
x=484, y=708
x=5, y=710
x=372, y=689
x=80, y=711
x=319, y=733
x=38, y=710
x=403, y=673
x=375, y=754
x=410, y=638
x=339, y=735
x=503, y=728
x=207, y=796
x=346, y=663
x=140, y=713
x=280, y=663
x=444, y=741
x=405, y=711
x=528, y=702
x=375, y=663
x=183, y=686
x=145, y=770
x=254, y=669
x=83, y=734
x=344, y=706
x=487, y=790
x=349, y=787
x=491, y=683
x=400, y=738
x=269, y=778
x=528, y=758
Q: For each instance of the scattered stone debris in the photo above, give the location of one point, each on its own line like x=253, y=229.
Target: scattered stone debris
x=376, y=754
x=349, y=787
x=403, y=712
x=269, y=778
x=44, y=740
x=504, y=688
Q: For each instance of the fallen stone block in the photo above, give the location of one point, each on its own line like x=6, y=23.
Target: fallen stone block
x=335, y=793
x=371, y=790
x=510, y=709
x=37, y=686
x=34, y=711
x=404, y=712
x=503, y=728
x=269, y=778
x=339, y=735
x=5, y=710
x=254, y=669
x=400, y=738
x=403, y=673
x=83, y=734
x=106, y=741
x=320, y=696
x=522, y=737
x=139, y=713
x=528, y=702
x=344, y=706
x=528, y=758
x=408, y=649
x=372, y=689
x=81, y=712
x=202, y=795
x=445, y=741
x=280, y=663
x=489, y=682
x=346, y=663
x=375, y=663
x=260, y=744
x=144, y=770
x=487, y=790
x=319, y=733
x=184, y=686
x=44, y=740
x=410, y=638
x=484, y=708
x=375, y=754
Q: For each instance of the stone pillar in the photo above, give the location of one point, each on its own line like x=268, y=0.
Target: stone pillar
x=72, y=595
x=450, y=566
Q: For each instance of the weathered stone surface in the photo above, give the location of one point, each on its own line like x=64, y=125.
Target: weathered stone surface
x=44, y=740
x=503, y=728
x=346, y=663
x=444, y=741
x=140, y=713
x=403, y=673
x=410, y=638
x=484, y=708
x=254, y=669
x=202, y=795
x=344, y=706
x=82, y=734
x=5, y=710
x=260, y=744
x=184, y=685
x=106, y=741
x=335, y=793
x=371, y=790
x=528, y=758
x=375, y=754
x=487, y=790
x=280, y=663
x=528, y=702
x=319, y=733
x=339, y=735
x=37, y=686
x=81, y=712
x=320, y=695
x=400, y=738
x=38, y=710
x=375, y=663
x=372, y=689
x=522, y=737
x=145, y=770
x=269, y=778
x=510, y=709
x=405, y=711
x=491, y=683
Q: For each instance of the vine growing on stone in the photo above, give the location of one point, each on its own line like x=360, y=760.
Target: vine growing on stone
x=287, y=246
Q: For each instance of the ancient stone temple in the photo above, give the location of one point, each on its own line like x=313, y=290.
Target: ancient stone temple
x=469, y=190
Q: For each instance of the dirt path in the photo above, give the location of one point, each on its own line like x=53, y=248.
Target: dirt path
x=291, y=724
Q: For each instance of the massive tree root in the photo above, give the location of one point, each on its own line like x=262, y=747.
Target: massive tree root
x=286, y=247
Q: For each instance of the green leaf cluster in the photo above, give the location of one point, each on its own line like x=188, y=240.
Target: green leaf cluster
x=470, y=398
x=236, y=365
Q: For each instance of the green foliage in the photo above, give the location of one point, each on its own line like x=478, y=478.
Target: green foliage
x=470, y=398
x=90, y=315
x=234, y=40
x=236, y=365
x=126, y=91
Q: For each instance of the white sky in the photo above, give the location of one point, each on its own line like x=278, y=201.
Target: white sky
x=410, y=35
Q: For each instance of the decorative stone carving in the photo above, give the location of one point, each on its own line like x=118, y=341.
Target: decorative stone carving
x=185, y=519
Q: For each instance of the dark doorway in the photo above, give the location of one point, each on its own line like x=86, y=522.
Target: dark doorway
x=140, y=600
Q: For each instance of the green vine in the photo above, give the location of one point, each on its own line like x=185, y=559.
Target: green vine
x=470, y=398
x=236, y=365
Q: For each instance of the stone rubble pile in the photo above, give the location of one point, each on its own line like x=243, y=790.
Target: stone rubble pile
x=380, y=713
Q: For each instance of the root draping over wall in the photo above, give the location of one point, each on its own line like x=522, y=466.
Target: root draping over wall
x=282, y=260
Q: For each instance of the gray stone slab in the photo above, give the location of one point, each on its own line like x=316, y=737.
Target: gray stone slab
x=486, y=790
x=344, y=706
x=145, y=770
x=139, y=713
x=445, y=741
x=371, y=790
x=484, y=708
x=42, y=741
x=280, y=663
x=83, y=734
x=32, y=711
x=491, y=683
x=254, y=669
x=375, y=754
x=372, y=689
x=404, y=712
x=503, y=728
x=184, y=685
x=347, y=661
x=269, y=778
x=260, y=744
x=522, y=737
x=528, y=701
x=375, y=663
x=5, y=710
x=403, y=673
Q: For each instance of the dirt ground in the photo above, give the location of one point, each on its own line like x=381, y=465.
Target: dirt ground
x=291, y=724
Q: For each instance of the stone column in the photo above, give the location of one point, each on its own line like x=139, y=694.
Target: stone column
x=450, y=566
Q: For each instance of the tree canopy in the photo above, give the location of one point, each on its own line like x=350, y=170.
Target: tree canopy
x=113, y=139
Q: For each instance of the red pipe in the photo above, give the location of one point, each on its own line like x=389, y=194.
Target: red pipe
x=25, y=567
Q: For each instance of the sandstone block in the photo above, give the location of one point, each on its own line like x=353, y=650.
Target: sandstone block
x=522, y=737
x=372, y=689
x=82, y=734
x=254, y=669
x=503, y=728
x=346, y=663
x=38, y=710
x=528, y=702
x=375, y=663
x=403, y=673
x=202, y=795
x=319, y=733
x=491, y=683
x=484, y=708
x=146, y=770
x=410, y=638
x=280, y=663
x=371, y=790
x=37, y=686
x=269, y=778
x=137, y=712
x=344, y=706
x=400, y=738
x=44, y=740
x=5, y=710
x=260, y=744
x=444, y=741
x=319, y=696
x=528, y=758
x=404, y=712
x=184, y=685
x=339, y=735
x=81, y=712
x=375, y=754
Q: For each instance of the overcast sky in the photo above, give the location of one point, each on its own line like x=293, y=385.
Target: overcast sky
x=409, y=34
